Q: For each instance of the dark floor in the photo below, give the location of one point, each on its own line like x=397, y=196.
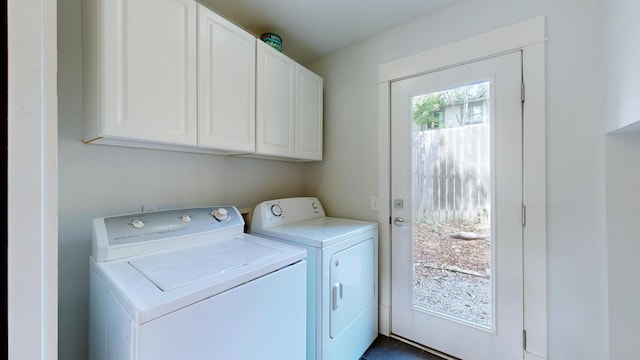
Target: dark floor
x=386, y=348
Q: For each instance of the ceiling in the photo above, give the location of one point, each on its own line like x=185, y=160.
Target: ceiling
x=314, y=28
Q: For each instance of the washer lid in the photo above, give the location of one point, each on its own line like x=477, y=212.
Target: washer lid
x=173, y=269
x=318, y=233
x=137, y=283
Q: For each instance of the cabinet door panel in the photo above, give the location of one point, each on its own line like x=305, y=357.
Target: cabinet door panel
x=226, y=84
x=308, y=115
x=275, y=103
x=149, y=70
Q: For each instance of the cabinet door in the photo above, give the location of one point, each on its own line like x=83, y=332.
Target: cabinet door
x=308, y=141
x=275, y=103
x=226, y=84
x=148, y=72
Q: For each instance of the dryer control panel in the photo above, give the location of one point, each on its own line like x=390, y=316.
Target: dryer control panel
x=133, y=234
x=286, y=211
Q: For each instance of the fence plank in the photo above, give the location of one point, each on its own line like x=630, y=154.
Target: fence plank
x=451, y=170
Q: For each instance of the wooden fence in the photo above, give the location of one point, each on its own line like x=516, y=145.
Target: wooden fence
x=451, y=169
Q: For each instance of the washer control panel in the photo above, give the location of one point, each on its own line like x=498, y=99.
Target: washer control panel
x=221, y=214
x=142, y=230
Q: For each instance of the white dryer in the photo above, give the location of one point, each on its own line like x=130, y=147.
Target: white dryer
x=342, y=282
x=189, y=284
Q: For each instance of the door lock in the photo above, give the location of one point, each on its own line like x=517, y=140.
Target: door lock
x=399, y=221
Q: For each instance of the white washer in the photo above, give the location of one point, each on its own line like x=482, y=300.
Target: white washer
x=342, y=282
x=189, y=284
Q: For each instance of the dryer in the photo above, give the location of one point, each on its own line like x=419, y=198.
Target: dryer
x=189, y=284
x=342, y=276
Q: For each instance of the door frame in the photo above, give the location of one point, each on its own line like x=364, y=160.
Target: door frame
x=32, y=212
x=529, y=37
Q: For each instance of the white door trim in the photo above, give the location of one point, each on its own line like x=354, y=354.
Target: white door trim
x=32, y=246
x=528, y=36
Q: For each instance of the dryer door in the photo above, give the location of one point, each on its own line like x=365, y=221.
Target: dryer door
x=352, y=284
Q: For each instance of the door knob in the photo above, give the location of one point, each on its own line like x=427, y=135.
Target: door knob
x=399, y=221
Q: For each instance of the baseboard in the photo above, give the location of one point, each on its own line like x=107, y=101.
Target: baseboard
x=530, y=356
x=425, y=348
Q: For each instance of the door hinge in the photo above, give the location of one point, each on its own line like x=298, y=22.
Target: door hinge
x=522, y=91
x=524, y=339
x=524, y=215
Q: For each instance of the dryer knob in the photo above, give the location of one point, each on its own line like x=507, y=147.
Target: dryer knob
x=220, y=214
x=276, y=210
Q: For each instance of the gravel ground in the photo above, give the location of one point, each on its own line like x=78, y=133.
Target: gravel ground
x=452, y=275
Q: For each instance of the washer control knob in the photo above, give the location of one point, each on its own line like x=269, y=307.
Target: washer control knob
x=314, y=205
x=185, y=218
x=137, y=223
x=276, y=210
x=220, y=214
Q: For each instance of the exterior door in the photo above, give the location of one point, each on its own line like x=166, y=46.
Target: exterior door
x=456, y=187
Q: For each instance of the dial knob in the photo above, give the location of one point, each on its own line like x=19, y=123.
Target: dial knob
x=220, y=214
x=137, y=224
x=276, y=210
x=186, y=218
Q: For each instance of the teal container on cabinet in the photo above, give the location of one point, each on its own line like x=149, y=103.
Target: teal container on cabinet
x=274, y=40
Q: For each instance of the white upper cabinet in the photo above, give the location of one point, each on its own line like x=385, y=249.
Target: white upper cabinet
x=174, y=75
x=309, y=116
x=226, y=84
x=289, y=108
x=140, y=71
x=276, y=84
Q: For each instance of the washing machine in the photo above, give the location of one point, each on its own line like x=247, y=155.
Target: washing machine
x=342, y=277
x=190, y=284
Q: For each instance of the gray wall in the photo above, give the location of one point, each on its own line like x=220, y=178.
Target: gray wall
x=576, y=233
x=97, y=181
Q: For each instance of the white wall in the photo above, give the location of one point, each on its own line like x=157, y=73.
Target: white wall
x=623, y=209
x=97, y=180
x=622, y=56
x=577, y=284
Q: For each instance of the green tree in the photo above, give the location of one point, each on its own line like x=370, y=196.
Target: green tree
x=427, y=110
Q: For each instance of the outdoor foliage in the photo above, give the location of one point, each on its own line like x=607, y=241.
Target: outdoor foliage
x=430, y=109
